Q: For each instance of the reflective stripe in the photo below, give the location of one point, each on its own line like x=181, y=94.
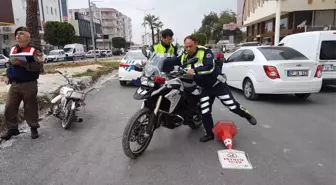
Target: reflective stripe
x=224, y=97
x=232, y=107
x=205, y=110
x=205, y=99
x=205, y=104
x=229, y=102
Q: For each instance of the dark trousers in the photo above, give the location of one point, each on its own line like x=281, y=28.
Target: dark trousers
x=223, y=93
x=18, y=92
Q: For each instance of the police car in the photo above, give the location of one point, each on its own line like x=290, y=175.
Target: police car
x=126, y=66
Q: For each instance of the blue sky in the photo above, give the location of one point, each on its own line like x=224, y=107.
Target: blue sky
x=182, y=16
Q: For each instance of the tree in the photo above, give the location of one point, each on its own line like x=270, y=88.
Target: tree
x=32, y=23
x=212, y=26
x=158, y=25
x=201, y=38
x=118, y=42
x=150, y=20
x=59, y=33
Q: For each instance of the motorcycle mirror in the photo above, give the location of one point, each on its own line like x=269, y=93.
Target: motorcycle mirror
x=138, y=67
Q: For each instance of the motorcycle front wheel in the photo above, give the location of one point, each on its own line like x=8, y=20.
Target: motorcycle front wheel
x=69, y=115
x=134, y=132
x=195, y=121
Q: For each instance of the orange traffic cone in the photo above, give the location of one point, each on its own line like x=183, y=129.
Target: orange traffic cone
x=225, y=131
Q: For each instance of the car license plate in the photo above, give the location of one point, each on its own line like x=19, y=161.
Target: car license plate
x=329, y=68
x=297, y=73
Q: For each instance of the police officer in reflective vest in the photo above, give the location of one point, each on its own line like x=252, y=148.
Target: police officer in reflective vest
x=207, y=75
x=165, y=46
x=26, y=63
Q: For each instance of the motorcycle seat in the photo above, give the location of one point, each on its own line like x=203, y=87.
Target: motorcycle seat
x=189, y=87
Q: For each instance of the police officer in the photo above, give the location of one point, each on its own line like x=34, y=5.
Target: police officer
x=22, y=74
x=165, y=46
x=207, y=75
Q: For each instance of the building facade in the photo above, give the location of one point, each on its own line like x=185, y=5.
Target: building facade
x=48, y=10
x=258, y=16
x=81, y=23
x=114, y=24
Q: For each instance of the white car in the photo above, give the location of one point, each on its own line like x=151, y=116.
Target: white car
x=272, y=70
x=126, y=66
x=4, y=61
x=56, y=55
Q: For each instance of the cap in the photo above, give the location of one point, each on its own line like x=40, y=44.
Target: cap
x=20, y=29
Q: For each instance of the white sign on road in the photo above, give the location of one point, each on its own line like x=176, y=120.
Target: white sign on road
x=234, y=159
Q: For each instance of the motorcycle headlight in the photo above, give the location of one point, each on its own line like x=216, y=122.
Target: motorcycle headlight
x=146, y=82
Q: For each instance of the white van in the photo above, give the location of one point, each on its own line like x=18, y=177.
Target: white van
x=74, y=51
x=318, y=46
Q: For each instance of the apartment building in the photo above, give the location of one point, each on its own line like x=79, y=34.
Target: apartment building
x=114, y=24
x=48, y=10
x=258, y=16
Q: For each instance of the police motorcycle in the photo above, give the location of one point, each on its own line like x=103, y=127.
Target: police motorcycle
x=169, y=100
x=65, y=105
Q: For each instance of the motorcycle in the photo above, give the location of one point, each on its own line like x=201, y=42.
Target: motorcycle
x=65, y=105
x=169, y=100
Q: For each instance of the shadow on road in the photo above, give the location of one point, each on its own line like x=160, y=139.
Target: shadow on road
x=328, y=89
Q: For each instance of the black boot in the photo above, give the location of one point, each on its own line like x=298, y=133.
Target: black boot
x=207, y=138
x=10, y=133
x=252, y=120
x=34, y=133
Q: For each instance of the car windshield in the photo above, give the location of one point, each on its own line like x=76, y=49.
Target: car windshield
x=136, y=56
x=328, y=50
x=281, y=53
x=68, y=50
x=54, y=53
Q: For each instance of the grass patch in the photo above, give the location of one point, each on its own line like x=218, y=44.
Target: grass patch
x=107, y=67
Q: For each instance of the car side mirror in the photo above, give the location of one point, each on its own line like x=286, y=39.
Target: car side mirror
x=138, y=67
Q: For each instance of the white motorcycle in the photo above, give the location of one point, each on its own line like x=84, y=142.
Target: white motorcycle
x=65, y=105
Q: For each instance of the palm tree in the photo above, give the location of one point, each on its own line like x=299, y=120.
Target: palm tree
x=158, y=25
x=32, y=22
x=150, y=20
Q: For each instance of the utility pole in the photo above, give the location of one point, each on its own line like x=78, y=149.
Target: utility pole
x=92, y=32
x=277, y=22
x=145, y=36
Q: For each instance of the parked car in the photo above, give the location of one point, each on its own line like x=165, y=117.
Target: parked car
x=126, y=66
x=106, y=53
x=74, y=51
x=4, y=61
x=319, y=46
x=56, y=55
x=272, y=70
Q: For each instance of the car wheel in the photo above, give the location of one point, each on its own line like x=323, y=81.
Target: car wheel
x=122, y=83
x=302, y=96
x=7, y=64
x=248, y=89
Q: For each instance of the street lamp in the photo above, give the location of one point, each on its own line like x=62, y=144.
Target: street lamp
x=92, y=31
x=145, y=10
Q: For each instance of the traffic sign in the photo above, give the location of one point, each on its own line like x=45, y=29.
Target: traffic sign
x=234, y=159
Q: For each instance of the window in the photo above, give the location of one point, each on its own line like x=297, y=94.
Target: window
x=281, y=53
x=5, y=37
x=248, y=55
x=328, y=50
x=51, y=11
x=55, y=11
x=284, y=23
x=47, y=10
x=269, y=26
x=235, y=56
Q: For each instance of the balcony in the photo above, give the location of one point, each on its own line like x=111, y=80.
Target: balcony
x=319, y=27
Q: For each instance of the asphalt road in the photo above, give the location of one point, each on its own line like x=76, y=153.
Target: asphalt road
x=293, y=144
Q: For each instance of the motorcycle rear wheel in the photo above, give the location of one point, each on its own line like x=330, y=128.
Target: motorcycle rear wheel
x=195, y=121
x=130, y=128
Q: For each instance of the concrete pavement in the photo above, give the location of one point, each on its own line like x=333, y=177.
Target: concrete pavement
x=294, y=143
